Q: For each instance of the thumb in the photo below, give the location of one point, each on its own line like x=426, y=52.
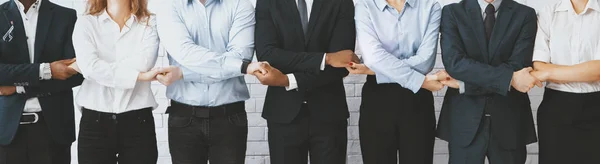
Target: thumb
x=528, y=69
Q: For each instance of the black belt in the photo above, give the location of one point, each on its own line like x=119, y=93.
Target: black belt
x=180, y=109
x=30, y=118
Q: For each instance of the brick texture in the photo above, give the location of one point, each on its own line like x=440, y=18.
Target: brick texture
x=258, y=152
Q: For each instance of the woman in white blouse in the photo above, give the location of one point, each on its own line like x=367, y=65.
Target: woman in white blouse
x=567, y=56
x=116, y=45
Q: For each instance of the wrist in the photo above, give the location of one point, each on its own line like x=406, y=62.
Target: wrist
x=245, y=65
x=327, y=58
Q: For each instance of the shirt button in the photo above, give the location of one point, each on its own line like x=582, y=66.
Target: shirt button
x=114, y=117
x=305, y=102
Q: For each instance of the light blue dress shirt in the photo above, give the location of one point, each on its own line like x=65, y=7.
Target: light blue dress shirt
x=400, y=47
x=209, y=43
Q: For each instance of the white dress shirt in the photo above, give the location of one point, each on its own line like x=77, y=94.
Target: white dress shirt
x=110, y=60
x=291, y=78
x=30, y=20
x=565, y=38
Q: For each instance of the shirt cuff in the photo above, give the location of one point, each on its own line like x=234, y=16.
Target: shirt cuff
x=293, y=84
x=20, y=89
x=461, y=87
x=45, y=71
x=323, y=62
x=541, y=56
x=417, y=82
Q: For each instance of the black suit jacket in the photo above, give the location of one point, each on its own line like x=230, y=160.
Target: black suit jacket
x=487, y=72
x=52, y=43
x=280, y=41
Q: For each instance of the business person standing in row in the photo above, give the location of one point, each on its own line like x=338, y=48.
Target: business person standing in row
x=487, y=46
x=210, y=45
x=308, y=42
x=567, y=54
x=116, y=45
x=398, y=39
x=36, y=99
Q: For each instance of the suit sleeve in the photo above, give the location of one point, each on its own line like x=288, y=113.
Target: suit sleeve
x=481, y=78
x=19, y=74
x=268, y=46
x=50, y=86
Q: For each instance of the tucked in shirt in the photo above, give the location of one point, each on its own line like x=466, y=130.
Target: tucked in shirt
x=400, y=47
x=30, y=20
x=566, y=38
x=110, y=60
x=209, y=43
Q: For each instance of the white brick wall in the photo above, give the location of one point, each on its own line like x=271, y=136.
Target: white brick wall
x=258, y=152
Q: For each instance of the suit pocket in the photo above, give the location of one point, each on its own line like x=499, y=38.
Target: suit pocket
x=240, y=119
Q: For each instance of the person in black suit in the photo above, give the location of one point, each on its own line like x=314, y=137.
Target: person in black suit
x=308, y=43
x=36, y=101
x=487, y=47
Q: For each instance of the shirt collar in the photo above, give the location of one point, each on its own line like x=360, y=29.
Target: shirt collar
x=565, y=5
x=382, y=4
x=483, y=4
x=35, y=7
x=105, y=17
x=207, y=1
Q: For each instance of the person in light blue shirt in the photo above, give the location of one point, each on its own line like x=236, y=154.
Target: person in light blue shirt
x=210, y=44
x=398, y=40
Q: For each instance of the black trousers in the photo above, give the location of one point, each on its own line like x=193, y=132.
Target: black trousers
x=569, y=128
x=324, y=142
x=484, y=144
x=33, y=145
x=126, y=138
x=201, y=134
x=396, y=125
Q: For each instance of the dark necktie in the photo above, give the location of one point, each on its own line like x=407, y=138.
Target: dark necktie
x=490, y=20
x=303, y=15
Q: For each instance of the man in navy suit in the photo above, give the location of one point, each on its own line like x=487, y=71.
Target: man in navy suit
x=36, y=99
x=487, y=46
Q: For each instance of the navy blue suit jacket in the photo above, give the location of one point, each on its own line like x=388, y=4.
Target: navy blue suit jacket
x=52, y=43
x=487, y=71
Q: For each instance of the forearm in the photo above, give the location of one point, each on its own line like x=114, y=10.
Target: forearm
x=19, y=74
x=47, y=87
x=584, y=72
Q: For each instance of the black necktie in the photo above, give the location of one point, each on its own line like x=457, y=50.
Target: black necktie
x=490, y=20
x=303, y=15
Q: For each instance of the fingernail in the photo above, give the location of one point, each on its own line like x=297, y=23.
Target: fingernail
x=447, y=78
x=351, y=63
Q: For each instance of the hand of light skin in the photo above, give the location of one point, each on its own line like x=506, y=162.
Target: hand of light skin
x=446, y=79
x=431, y=83
x=169, y=75
x=523, y=81
x=7, y=90
x=261, y=67
x=359, y=69
x=341, y=59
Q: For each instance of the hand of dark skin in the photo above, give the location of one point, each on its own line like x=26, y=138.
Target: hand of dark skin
x=341, y=59
x=7, y=90
x=274, y=77
x=61, y=70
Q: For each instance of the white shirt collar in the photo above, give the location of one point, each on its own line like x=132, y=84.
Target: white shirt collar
x=483, y=4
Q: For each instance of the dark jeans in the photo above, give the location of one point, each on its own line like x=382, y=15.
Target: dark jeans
x=33, y=145
x=126, y=138
x=569, y=128
x=201, y=134
x=323, y=142
x=396, y=125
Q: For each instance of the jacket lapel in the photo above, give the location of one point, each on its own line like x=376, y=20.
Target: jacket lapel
x=474, y=12
x=44, y=21
x=314, y=18
x=13, y=15
x=504, y=16
x=292, y=10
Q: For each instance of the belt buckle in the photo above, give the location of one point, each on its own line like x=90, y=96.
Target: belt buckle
x=36, y=118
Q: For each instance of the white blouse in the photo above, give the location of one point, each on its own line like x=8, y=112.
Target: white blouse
x=110, y=59
x=565, y=38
